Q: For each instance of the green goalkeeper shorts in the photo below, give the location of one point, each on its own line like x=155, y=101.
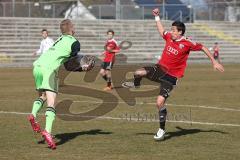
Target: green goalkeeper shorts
x=45, y=79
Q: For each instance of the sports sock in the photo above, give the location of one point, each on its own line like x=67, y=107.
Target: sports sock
x=162, y=117
x=137, y=80
x=109, y=81
x=104, y=77
x=50, y=117
x=37, y=105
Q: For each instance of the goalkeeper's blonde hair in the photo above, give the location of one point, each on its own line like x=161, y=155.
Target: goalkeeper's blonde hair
x=65, y=26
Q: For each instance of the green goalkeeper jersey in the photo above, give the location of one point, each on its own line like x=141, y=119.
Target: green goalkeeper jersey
x=65, y=47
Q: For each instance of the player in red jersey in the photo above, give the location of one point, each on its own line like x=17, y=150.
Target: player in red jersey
x=170, y=67
x=216, y=52
x=111, y=48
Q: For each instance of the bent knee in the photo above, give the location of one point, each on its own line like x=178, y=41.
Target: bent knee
x=160, y=102
x=102, y=72
x=140, y=72
x=51, y=103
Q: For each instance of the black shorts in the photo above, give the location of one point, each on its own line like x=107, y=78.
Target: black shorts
x=215, y=57
x=107, y=65
x=159, y=74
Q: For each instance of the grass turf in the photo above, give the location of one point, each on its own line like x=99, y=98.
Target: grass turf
x=130, y=134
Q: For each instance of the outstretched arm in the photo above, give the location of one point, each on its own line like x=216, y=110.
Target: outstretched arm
x=215, y=64
x=158, y=22
x=115, y=51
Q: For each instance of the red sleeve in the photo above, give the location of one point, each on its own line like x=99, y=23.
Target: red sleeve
x=115, y=45
x=117, y=48
x=195, y=46
x=166, y=35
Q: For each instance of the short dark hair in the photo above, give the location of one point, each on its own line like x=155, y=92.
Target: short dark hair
x=216, y=43
x=110, y=30
x=44, y=30
x=65, y=25
x=180, y=26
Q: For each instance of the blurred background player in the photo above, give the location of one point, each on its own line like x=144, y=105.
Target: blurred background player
x=45, y=74
x=216, y=52
x=170, y=67
x=45, y=44
x=111, y=48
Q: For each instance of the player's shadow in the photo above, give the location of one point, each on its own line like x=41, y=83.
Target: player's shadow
x=183, y=132
x=65, y=137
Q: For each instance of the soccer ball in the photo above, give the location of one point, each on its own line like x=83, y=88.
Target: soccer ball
x=80, y=63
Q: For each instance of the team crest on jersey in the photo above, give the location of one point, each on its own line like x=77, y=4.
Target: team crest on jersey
x=181, y=46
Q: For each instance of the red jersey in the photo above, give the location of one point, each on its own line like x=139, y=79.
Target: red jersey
x=216, y=51
x=175, y=54
x=110, y=56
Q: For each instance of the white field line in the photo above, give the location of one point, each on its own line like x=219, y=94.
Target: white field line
x=168, y=104
x=149, y=103
x=137, y=120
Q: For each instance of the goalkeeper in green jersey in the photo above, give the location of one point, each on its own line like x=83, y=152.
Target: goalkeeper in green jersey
x=45, y=75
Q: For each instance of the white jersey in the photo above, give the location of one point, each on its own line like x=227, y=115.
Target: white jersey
x=45, y=45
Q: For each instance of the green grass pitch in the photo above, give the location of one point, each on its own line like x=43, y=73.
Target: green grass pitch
x=203, y=120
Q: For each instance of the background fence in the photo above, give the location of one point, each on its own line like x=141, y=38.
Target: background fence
x=184, y=12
